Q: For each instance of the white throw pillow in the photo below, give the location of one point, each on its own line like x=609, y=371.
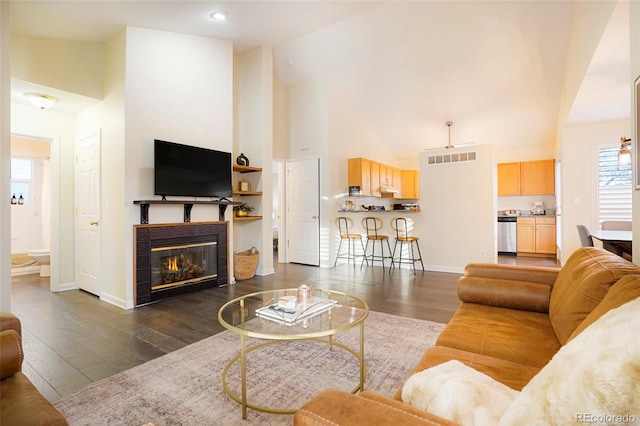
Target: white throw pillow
x=595, y=378
x=457, y=392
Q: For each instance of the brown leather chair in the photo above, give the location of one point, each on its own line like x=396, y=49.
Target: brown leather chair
x=20, y=401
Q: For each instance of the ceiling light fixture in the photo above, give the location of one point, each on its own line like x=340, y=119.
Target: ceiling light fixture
x=41, y=101
x=221, y=15
x=624, y=155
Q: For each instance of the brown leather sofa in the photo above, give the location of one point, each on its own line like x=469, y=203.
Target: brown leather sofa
x=20, y=402
x=513, y=319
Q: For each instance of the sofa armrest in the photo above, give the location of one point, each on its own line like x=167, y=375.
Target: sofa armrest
x=11, y=355
x=8, y=321
x=508, y=286
x=335, y=407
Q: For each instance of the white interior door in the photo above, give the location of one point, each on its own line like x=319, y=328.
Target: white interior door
x=88, y=234
x=303, y=211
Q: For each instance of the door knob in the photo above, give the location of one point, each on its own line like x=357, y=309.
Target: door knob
x=314, y=217
x=94, y=223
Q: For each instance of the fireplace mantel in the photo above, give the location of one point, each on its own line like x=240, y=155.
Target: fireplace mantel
x=188, y=205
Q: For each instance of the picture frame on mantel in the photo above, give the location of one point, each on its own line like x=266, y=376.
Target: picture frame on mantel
x=636, y=144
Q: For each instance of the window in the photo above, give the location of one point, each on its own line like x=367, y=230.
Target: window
x=21, y=175
x=614, y=190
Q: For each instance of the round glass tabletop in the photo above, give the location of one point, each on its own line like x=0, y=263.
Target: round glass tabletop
x=274, y=314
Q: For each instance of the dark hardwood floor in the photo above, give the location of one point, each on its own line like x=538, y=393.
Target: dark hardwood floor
x=72, y=339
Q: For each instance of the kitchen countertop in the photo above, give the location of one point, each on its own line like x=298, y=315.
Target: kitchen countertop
x=378, y=211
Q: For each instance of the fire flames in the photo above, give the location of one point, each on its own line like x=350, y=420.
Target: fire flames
x=179, y=268
x=172, y=264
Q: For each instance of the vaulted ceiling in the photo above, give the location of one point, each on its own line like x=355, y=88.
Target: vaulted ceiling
x=496, y=69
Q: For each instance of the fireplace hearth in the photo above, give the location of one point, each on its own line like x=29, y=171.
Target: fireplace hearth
x=173, y=259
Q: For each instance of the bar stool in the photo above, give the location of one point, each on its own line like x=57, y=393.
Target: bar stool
x=403, y=226
x=372, y=225
x=345, y=224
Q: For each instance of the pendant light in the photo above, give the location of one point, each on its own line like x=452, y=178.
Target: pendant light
x=624, y=155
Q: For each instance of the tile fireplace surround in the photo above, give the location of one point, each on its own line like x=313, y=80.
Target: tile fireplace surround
x=160, y=249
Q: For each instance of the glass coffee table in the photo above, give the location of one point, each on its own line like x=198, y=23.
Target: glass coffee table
x=257, y=315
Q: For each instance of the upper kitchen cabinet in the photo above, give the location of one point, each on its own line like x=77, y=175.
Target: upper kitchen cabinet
x=538, y=177
x=359, y=174
x=527, y=178
x=509, y=179
x=381, y=180
x=410, y=184
x=375, y=179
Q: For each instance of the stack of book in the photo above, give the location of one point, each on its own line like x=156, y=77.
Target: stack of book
x=291, y=316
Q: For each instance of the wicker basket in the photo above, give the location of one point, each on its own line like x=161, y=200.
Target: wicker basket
x=245, y=263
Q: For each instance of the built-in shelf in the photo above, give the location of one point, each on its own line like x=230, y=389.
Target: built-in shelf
x=247, y=193
x=243, y=218
x=246, y=169
x=144, y=207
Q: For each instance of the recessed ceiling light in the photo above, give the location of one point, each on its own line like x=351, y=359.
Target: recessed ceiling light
x=221, y=15
x=41, y=101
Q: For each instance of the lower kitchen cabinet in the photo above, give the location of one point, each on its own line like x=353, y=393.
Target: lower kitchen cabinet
x=536, y=235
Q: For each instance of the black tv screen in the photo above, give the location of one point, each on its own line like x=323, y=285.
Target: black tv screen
x=191, y=171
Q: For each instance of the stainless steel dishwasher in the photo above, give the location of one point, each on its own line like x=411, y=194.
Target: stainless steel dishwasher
x=507, y=234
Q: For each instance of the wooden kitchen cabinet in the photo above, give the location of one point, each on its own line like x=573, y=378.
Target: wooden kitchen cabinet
x=508, y=179
x=371, y=176
x=410, y=184
x=538, y=177
x=397, y=181
x=536, y=236
x=359, y=174
x=527, y=178
x=375, y=179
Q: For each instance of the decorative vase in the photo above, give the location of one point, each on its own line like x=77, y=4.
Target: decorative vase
x=241, y=213
x=242, y=160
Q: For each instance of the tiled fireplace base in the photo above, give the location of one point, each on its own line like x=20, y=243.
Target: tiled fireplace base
x=169, y=259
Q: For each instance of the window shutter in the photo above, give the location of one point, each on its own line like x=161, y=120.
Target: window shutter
x=614, y=187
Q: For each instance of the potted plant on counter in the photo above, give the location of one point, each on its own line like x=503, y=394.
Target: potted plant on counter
x=242, y=210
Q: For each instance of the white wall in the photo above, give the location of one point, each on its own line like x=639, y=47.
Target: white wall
x=634, y=17
x=108, y=118
x=254, y=103
x=73, y=66
x=5, y=158
x=579, y=176
x=458, y=220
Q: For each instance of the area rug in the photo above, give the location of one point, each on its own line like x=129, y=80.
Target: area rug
x=185, y=387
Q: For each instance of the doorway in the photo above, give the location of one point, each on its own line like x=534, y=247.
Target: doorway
x=35, y=228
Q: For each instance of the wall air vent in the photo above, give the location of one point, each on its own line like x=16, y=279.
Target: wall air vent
x=457, y=157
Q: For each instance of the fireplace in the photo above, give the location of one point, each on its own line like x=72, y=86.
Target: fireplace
x=173, y=259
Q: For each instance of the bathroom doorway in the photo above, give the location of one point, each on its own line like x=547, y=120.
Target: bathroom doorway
x=32, y=227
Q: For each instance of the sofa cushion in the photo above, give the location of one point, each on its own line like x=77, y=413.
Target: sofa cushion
x=519, y=336
x=581, y=285
x=512, y=374
x=596, y=374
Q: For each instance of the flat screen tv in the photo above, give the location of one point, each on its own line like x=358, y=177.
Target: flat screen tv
x=191, y=171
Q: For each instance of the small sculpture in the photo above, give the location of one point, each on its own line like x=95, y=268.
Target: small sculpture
x=242, y=160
